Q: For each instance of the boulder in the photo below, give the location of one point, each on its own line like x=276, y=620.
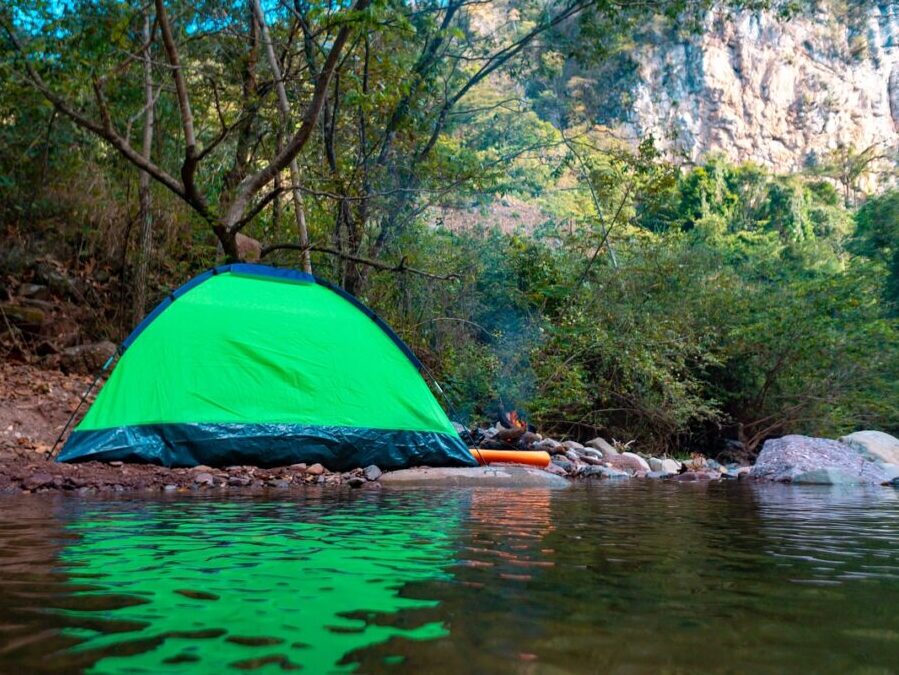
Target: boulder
x=638, y=459
x=785, y=459
x=670, y=466
x=372, y=472
x=602, y=445
x=874, y=445
x=573, y=445
x=627, y=464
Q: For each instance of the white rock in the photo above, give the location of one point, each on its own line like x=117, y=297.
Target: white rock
x=664, y=465
x=874, y=445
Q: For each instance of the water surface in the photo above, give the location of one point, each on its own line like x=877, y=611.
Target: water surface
x=641, y=577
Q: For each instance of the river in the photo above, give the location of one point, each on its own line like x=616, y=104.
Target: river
x=641, y=577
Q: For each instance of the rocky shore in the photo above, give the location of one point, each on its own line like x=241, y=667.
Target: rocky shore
x=34, y=405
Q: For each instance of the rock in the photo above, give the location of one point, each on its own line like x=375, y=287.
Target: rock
x=876, y=446
x=506, y=476
x=356, y=482
x=572, y=456
x=299, y=468
x=116, y=464
x=239, y=481
x=563, y=463
x=670, y=466
x=827, y=476
x=602, y=472
x=27, y=318
x=371, y=472
x=556, y=469
x=461, y=430
x=315, y=470
x=655, y=464
x=590, y=459
x=784, y=459
x=510, y=435
x=657, y=475
x=637, y=458
x=86, y=359
x=169, y=488
x=549, y=445
x=204, y=478
x=572, y=445
x=248, y=249
x=891, y=470
x=528, y=440
x=627, y=464
x=280, y=484
x=591, y=452
x=38, y=480
x=602, y=445
x=34, y=291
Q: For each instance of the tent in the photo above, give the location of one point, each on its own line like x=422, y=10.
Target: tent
x=250, y=364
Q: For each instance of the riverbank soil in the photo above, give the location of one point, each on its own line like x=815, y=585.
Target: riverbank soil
x=36, y=403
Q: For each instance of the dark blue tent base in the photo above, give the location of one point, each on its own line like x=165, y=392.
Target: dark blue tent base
x=337, y=448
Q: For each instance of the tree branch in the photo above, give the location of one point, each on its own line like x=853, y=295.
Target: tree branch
x=376, y=264
x=252, y=184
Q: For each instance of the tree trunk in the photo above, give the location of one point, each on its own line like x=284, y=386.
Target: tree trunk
x=145, y=216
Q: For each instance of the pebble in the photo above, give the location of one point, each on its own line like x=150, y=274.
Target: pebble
x=116, y=463
x=169, y=488
x=572, y=456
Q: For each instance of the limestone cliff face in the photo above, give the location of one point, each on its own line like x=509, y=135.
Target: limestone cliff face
x=780, y=93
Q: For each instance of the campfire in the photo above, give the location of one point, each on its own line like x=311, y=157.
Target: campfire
x=513, y=421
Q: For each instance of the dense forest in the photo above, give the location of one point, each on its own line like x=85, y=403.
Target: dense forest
x=643, y=297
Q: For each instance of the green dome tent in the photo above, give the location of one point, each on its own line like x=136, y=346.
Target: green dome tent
x=249, y=364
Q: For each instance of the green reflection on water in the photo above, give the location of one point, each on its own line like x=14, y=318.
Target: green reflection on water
x=274, y=585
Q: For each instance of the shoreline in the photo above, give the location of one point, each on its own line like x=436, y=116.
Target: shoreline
x=36, y=403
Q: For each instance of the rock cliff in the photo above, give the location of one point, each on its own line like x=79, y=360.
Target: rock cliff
x=784, y=94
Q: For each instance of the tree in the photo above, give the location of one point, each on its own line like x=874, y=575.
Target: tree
x=240, y=197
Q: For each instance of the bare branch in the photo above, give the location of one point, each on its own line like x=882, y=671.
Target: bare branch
x=376, y=264
x=255, y=182
x=120, y=144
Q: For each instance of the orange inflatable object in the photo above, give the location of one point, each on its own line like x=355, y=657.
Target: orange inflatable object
x=532, y=457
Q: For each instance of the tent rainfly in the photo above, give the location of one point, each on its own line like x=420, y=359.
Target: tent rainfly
x=250, y=364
